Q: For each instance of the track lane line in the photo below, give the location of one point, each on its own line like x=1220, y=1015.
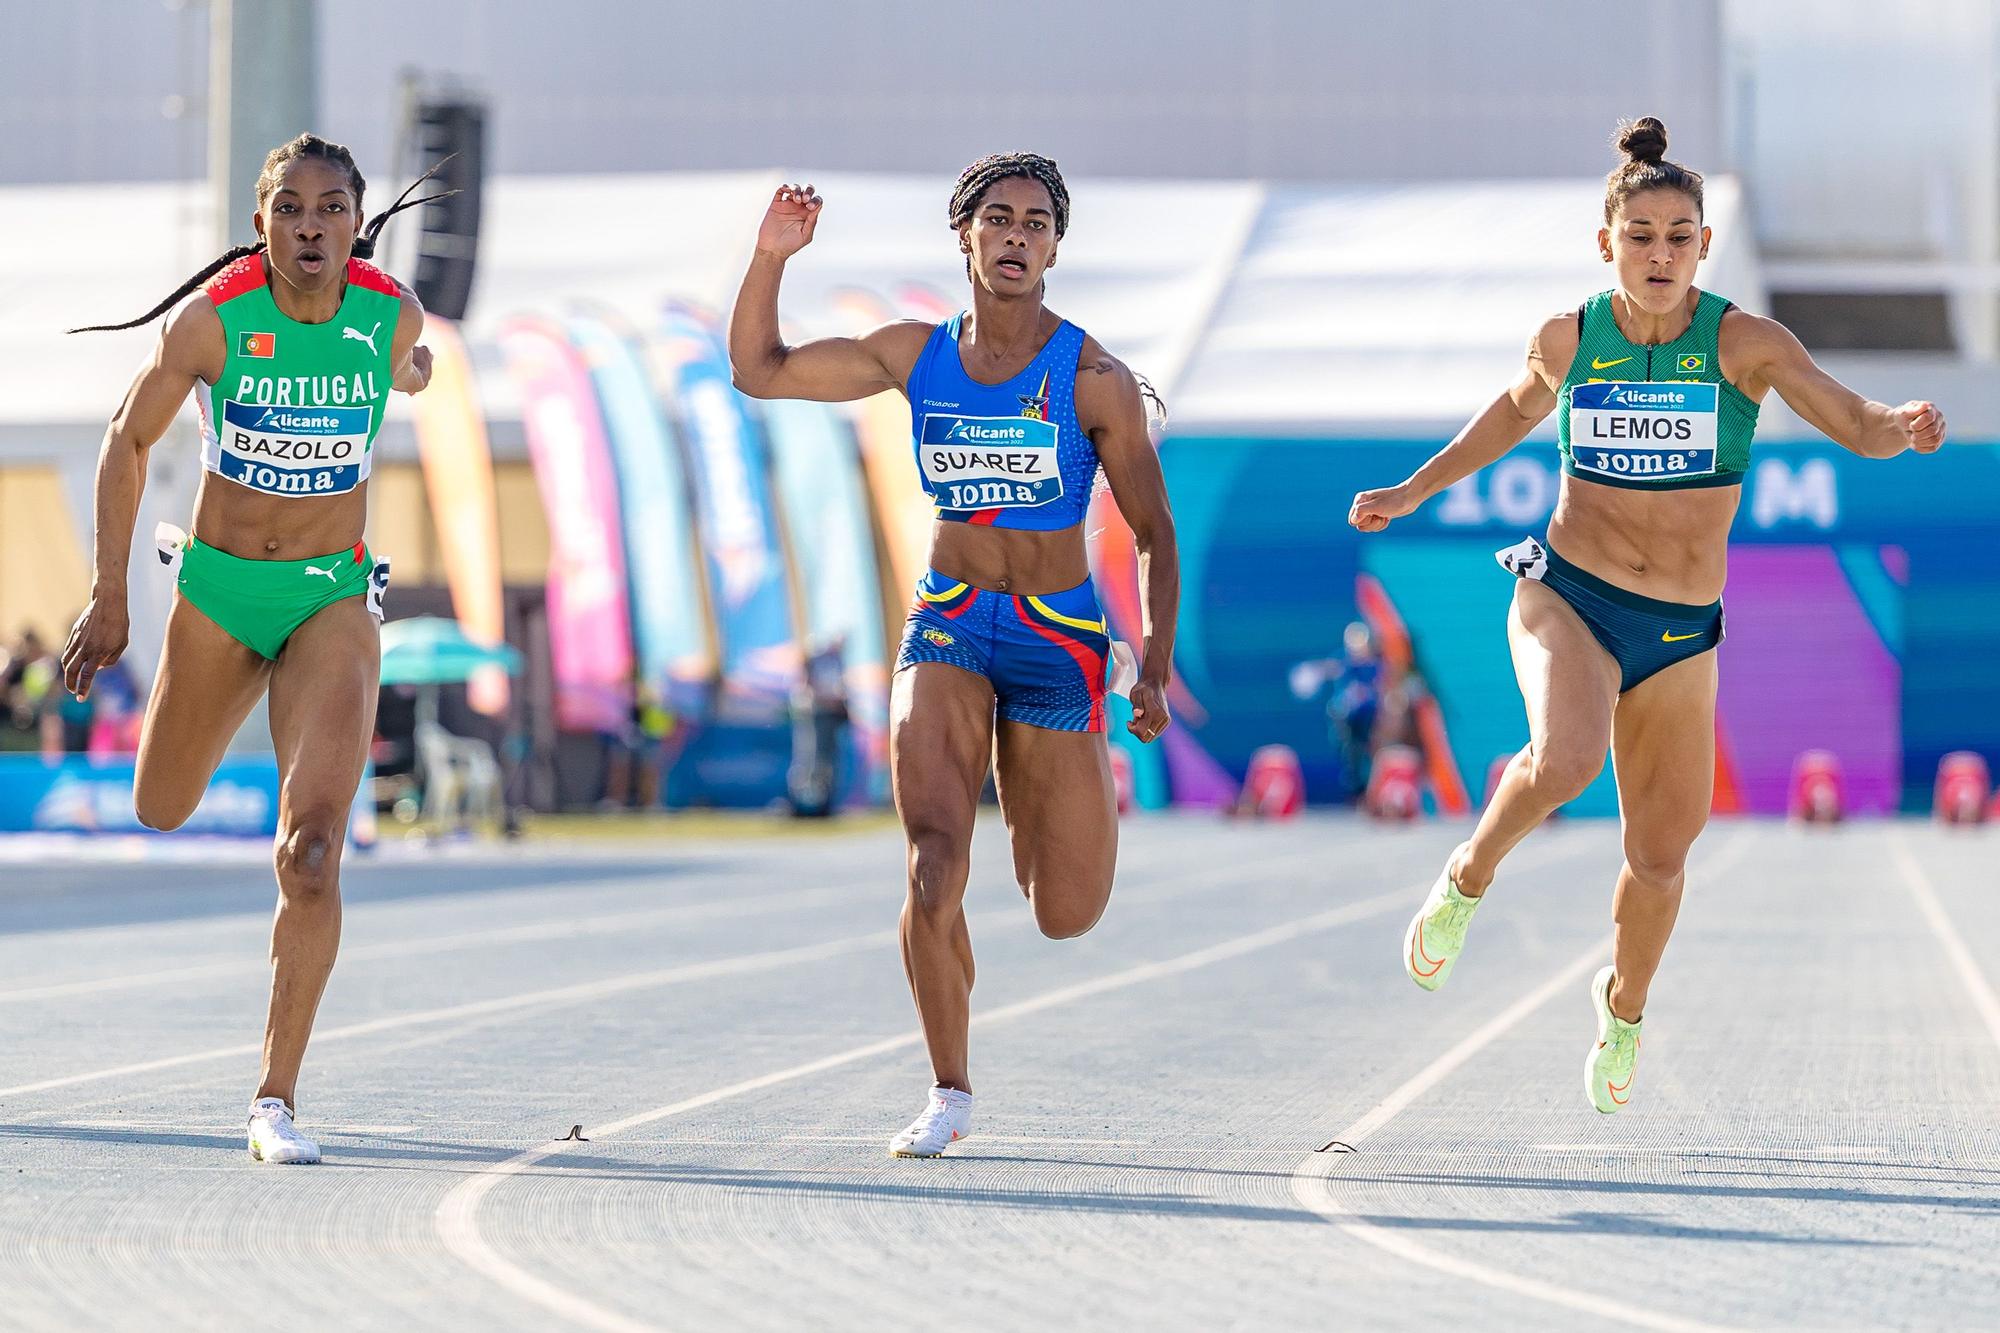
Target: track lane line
x=457, y=1215
x=582, y=992
x=1312, y=1180
x=1918, y=881
x=522, y=933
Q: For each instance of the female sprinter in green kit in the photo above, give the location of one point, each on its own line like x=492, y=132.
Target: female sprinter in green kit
x=1656, y=385
x=291, y=347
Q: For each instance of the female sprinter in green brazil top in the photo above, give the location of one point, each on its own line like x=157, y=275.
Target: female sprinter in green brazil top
x=1617, y=613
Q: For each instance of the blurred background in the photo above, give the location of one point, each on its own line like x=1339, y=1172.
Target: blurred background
x=1323, y=229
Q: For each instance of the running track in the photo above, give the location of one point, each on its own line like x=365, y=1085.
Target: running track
x=1814, y=1140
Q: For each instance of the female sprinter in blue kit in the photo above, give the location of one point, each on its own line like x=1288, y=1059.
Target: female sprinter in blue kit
x=1013, y=411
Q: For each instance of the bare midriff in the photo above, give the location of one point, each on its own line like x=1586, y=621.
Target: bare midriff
x=253, y=526
x=1672, y=546
x=1012, y=560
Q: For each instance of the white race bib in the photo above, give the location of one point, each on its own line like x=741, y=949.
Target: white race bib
x=988, y=462
x=1643, y=431
x=293, y=450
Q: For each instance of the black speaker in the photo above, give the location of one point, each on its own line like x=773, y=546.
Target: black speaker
x=448, y=229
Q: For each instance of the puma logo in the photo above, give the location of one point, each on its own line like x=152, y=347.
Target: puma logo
x=360, y=337
x=331, y=577
x=1526, y=559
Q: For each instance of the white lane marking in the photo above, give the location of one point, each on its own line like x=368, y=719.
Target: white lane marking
x=557, y=995
x=1984, y=1002
x=457, y=1214
x=1312, y=1184
x=592, y=990
x=531, y=932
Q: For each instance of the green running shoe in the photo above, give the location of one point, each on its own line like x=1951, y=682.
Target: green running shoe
x=1437, y=933
x=1607, y=1074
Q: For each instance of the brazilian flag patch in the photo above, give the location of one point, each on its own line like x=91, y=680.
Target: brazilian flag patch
x=1694, y=363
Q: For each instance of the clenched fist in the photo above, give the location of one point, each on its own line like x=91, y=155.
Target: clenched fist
x=788, y=224
x=1373, y=511
x=1923, y=425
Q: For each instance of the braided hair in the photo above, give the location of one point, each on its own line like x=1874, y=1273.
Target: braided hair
x=982, y=175
x=1644, y=144
x=268, y=180
x=988, y=171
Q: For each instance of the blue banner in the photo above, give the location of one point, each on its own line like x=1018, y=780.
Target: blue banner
x=80, y=795
x=1869, y=576
x=669, y=615
x=824, y=499
x=746, y=568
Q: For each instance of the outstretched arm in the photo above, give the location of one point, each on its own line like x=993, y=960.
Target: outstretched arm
x=411, y=359
x=826, y=370
x=1759, y=352
x=190, y=349
x=1504, y=423
x=1107, y=401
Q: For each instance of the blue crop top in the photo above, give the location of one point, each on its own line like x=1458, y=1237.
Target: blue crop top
x=1002, y=455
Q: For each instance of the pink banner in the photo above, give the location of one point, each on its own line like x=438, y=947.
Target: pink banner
x=458, y=474
x=590, y=625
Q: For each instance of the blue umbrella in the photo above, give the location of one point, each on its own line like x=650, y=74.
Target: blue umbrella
x=432, y=650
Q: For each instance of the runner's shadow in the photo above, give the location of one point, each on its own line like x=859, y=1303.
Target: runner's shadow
x=1612, y=1224
x=938, y=1188
x=1682, y=1189
x=135, y=1137
x=67, y=898
x=341, y=1149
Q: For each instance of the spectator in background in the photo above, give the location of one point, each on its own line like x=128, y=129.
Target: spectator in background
x=119, y=710
x=632, y=754
x=819, y=717
x=1355, y=684
x=65, y=723
x=27, y=669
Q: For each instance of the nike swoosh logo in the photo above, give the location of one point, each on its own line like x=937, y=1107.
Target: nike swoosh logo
x=1417, y=951
x=1595, y=364
x=1676, y=638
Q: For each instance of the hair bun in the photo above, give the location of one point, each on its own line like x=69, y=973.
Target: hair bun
x=1642, y=140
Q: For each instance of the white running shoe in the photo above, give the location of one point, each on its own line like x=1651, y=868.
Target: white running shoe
x=947, y=1119
x=273, y=1136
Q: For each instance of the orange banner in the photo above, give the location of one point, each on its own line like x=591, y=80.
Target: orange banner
x=458, y=474
x=882, y=426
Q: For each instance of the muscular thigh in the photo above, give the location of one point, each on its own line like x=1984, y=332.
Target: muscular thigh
x=206, y=684
x=323, y=694
x=1568, y=681
x=940, y=734
x=1061, y=810
x=1663, y=748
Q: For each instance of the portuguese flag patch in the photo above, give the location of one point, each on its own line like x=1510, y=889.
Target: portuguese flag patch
x=261, y=345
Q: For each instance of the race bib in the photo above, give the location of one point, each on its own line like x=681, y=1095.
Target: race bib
x=294, y=450
x=989, y=462
x=378, y=586
x=1643, y=431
